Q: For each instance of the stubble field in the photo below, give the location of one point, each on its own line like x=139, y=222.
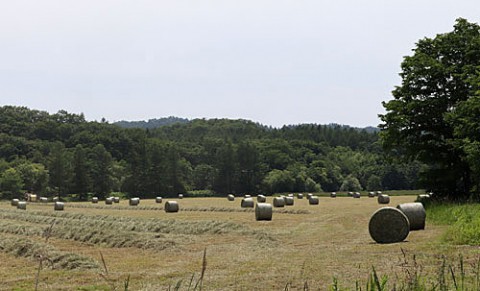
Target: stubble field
x=304, y=247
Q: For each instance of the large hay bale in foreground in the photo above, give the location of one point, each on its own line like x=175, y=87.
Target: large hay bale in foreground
x=289, y=201
x=415, y=213
x=95, y=200
x=58, y=206
x=314, y=200
x=15, y=202
x=261, y=199
x=388, y=225
x=22, y=205
x=263, y=211
x=158, y=199
x=109, y=201
x=171, y=206
x=278, y=202
x=247, y=203
x=134, y=201
x=230, y=197
x=383, y=199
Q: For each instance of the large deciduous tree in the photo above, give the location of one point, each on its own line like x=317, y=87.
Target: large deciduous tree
x=440, y=75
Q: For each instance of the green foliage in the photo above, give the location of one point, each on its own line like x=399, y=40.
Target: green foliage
x=441, y=76
x=11, y=183
x=351, y=184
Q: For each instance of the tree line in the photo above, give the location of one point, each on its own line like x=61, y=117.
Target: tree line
x=63, y=154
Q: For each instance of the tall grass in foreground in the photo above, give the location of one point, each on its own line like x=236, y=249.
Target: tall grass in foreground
x=463, y=221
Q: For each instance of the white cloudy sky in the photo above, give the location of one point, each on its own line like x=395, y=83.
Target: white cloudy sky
x=271, y=61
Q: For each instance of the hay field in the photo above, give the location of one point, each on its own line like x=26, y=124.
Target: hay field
x=304, y=245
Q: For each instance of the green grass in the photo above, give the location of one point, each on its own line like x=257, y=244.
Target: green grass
x=463, y=221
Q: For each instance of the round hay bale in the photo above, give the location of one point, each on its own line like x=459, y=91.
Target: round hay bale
x=15, y=202
x=300, y=196
x=423, y=198
x=109, y=201
x=247, y=203
x=388, y=225
x=356, y=195
x=55, y=199
x=158, y=199
x=371, y=194
x=350, y=194
x=180, y=196
x=379, y=193
x=291, y=195
x=278, y=202
x=171, y=206
x=32, y=197
x=43, y=199
x=309, y=195
x=416, y=214
x=261, y=199
x=116, y=199
x=383, y=199
x=95, y=200
x=230, y=197
x=333, y=195
x=22, y=205
x=263, y=211
x=247, y=196
x=289, y=201
x=58, y=206
x=134, y=201
x=314, y=200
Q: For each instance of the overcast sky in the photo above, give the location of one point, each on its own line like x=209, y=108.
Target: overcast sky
x=274, y=62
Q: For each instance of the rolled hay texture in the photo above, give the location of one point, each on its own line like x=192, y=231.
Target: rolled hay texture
x=116, y=199
x=333, y=195
x=247, y=203
x=134, y=201
x=55, y=199
x=95, y=200
x=247, y=196
x=171, y=206
x=158, y=199
x=263, y=211
x=22, y=205
x=388, y=225
x=230, y=197
x=261, y=199
x=291, y=195
x=383, y=199
x=43, y=199
x=15, y=202
x=300, y=196
x=58, y=206
x=371, y=194
x=350, y=193
x=109, y=200
x=422, y=198
x=415, y=213
x=278, y=202
x=309, y=195
x=379, y=192
x=180, y=196
x=32, y=198
x=289, y=201
x=356, y=195
x=314, y=200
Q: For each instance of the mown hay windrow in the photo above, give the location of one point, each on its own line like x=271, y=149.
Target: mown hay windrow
x=416, y=214
x=171, y=206
x=261, y=199
x=247, y=203
x=383, y=199
x=134, y=201
x=58, y=206
x=22, y=205
x=289, y=201
x=278, y=202
x=388, y=225
x=314, y=200
x=15, y=202
x=263, y=211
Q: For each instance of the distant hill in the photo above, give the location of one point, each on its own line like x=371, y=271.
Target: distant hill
x=151, y=123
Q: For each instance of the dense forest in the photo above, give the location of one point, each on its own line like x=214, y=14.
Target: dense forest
x=63, y=154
